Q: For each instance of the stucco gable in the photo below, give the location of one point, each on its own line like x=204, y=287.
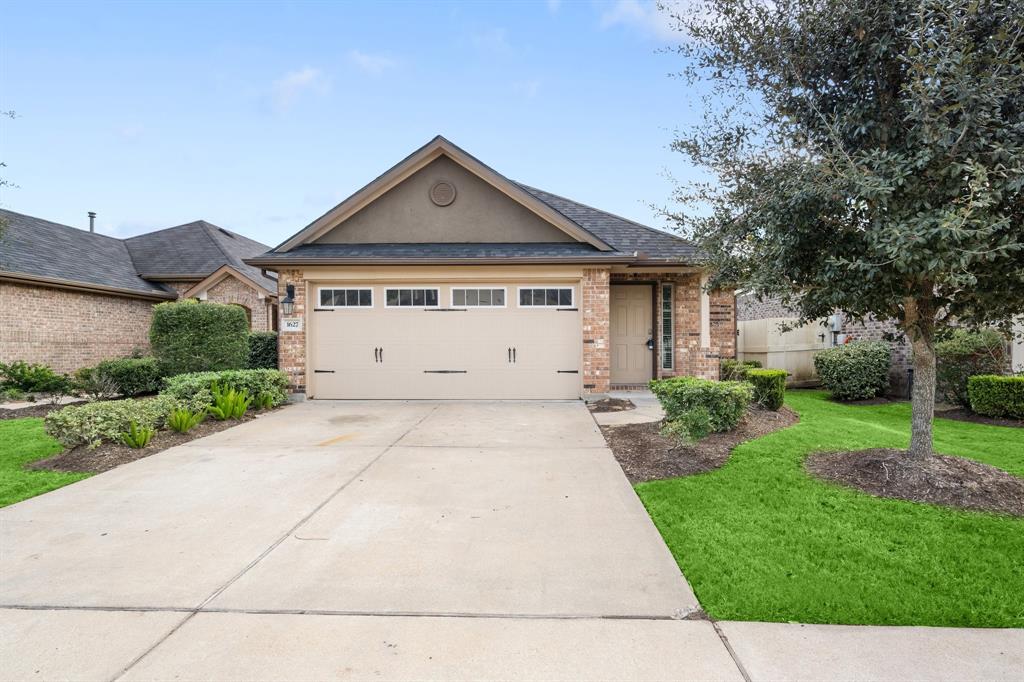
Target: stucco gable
x=482, y=187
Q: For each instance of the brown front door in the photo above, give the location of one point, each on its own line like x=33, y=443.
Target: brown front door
x=631, y=329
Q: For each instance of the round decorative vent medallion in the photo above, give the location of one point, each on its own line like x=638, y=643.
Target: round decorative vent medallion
x=442, y=193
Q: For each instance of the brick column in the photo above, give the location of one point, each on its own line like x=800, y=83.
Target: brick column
x=596, y=297
x=291, y=346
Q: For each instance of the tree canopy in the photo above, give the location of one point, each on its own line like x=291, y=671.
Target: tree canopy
x=868, y=157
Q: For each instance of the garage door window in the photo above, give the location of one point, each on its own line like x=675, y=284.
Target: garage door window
x=545, y=298
x=346, y=298
x=478, y=298
x=411, y=298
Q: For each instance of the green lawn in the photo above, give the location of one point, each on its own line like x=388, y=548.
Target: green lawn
x=23, y=441
x=760, y=540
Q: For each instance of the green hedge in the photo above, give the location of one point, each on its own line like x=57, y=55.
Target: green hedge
x=854, y=371
x=194, y=391
x=132, y=376
x=996, y=396
x=734, y=370
x=31, y=378
x=188, y=336
x=963, y=355
x=93, y=423
x=769, y=386
x=701, y=404
x=263, y=350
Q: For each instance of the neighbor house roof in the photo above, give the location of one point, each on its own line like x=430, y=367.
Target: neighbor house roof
x=601, y=236
x=194, y=250
x=33, y=249
x=45, y=252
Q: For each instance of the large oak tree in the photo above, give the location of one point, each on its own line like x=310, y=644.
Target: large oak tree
x=865, y=157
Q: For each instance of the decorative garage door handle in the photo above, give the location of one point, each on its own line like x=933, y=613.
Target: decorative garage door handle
x=512, y=355
x=445, y=371
x=378, y=354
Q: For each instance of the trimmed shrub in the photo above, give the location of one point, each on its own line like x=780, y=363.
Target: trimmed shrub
x=963, y=355
x=685, y=398
x=195, y=391
x=997, y=396
x=188, y=336
x=94, y=423
x=30, y=378
x=734, y=370
x=855, y=371
x=769, y=386
x=132, y=376
x=90, y=383
x=263, y=350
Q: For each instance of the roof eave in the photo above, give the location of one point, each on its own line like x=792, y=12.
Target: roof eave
x=312, y=260
x=74, y=285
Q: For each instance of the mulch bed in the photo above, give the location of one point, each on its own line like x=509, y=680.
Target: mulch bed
x=37, y=410
x=962, y=415
x=939, y=479
x=110, y=455
x=646, y=455
x=611, y=405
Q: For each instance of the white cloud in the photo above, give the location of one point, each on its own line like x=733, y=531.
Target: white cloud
x=527, y=88
x=373, y=64
x=644, y=16
x=287, y=89
x=491, y=40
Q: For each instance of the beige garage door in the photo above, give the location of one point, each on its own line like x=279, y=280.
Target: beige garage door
x=445, y=341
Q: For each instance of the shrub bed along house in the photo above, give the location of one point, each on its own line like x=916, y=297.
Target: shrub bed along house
x=263, y=350
x=997, y=396
x=195, y=391
x=769, y=386
x=963, y=355
x=696, y=407
x=736, y=370
x=131, y=376
x=93, y=423
x=188, y=336
x=19, y=378
x=854, y=371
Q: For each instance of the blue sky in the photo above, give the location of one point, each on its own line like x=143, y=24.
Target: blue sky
x=260, y=117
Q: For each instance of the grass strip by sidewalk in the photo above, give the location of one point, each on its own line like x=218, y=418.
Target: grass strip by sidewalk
x=23, y=441
x=759, y=539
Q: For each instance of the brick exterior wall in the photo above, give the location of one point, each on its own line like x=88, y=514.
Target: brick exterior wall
x=596, y=295
x=291, y=346
x=749, y=308
x=70, y=329
x=232, y=291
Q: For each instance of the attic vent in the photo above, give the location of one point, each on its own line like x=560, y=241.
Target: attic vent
x=442, y=193
x=226, y=232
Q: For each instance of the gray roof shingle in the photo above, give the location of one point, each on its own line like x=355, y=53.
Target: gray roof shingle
x=445, y=251
x=621, y=233
x=195, y=249
x=33, y=246
x=41, y=248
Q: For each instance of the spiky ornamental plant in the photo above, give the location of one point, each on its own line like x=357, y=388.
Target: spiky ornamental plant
x=869, y=159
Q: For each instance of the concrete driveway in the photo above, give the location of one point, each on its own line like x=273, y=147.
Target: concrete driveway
x=354, y=540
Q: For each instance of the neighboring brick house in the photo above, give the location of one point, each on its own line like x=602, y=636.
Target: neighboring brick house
x=444, y=279
x=70, y=297
x=838, y=329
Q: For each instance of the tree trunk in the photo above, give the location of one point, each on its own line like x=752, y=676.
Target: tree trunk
x=919, y=325
x=922, y=399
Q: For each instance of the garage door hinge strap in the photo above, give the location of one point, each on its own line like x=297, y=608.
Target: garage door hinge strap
x=444, y=371
x=323, y=310
x=445, y=310
x=568, y=371
x=566, y=310
x=323, y=371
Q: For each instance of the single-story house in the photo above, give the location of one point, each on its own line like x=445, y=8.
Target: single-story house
x=442, y=278
x=71, y=297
